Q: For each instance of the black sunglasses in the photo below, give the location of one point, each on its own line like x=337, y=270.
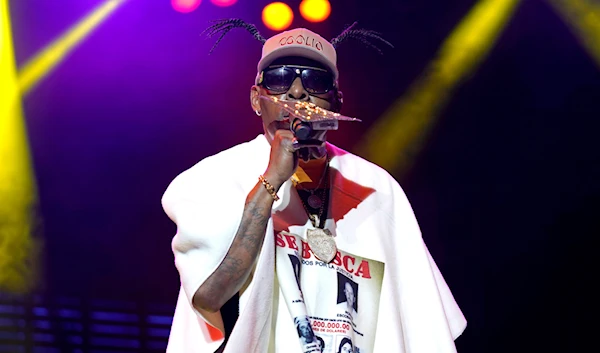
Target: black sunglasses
x=279, y=79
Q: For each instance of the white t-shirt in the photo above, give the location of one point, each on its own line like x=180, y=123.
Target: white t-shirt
x=322, y=296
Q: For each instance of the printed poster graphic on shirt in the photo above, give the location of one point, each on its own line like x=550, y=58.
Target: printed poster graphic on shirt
x=334, y=306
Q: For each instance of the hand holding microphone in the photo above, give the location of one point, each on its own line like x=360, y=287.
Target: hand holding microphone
x=307, y=120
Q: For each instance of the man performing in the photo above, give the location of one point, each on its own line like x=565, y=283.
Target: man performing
x=277, y=219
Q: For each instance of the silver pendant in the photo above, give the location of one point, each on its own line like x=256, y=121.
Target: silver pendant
x=322, y=244
x=314, y=201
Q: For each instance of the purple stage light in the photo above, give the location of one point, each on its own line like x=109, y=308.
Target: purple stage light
x=185, y=6
x=224, y=3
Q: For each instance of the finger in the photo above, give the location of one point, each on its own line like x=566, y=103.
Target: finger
x=289, y=149
x=295, y=144
x=287, y=145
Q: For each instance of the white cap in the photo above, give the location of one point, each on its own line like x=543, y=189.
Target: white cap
x=299, y=42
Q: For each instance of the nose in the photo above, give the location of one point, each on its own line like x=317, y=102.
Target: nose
x=297, y=91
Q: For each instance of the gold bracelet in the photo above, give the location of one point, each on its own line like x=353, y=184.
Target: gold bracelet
x=269, y=187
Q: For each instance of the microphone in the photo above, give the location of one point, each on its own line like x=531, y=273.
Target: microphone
x=301, y=129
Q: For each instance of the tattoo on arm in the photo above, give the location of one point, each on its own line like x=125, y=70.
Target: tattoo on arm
x=235, y=268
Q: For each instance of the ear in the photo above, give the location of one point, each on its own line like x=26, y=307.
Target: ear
x=339, y=101
x=255, y=98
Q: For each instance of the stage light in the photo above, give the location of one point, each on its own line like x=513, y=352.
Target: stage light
x=41, y=65
x=398, y=136
x=583, y=16
x=224, y=3
x=277, y=16
x=315, y=10
x=185, y=6
x=19, y=249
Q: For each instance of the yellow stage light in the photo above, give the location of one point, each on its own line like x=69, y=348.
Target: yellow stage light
x=397, y=137
x=18, y=247
x=277, y=16
x=315, y=10
x=41, y=65
x=584, y=18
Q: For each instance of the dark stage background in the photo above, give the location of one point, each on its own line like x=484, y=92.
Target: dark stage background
x=506, y=188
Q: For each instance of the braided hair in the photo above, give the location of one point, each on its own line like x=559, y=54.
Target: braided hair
x=225, y=25
x=364, y=36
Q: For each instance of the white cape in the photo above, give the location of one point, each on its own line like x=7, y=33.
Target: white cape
x=417, y=312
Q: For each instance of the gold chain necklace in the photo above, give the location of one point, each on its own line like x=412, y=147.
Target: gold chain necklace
x=315, y=201
x=320, y=240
